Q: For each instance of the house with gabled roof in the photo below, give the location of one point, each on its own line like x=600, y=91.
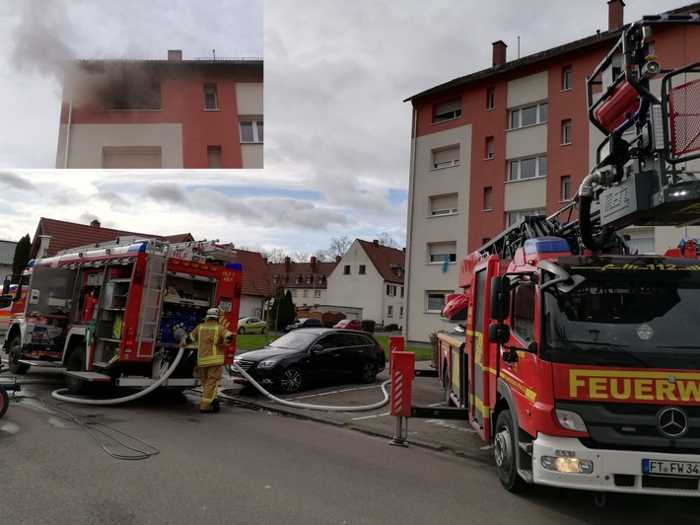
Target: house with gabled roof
x=370, y=276
x=306, y=281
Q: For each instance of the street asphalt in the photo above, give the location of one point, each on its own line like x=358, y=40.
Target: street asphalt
x=257, y=466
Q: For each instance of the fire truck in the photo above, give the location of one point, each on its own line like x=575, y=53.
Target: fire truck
x=580, y=363
x=113, y=314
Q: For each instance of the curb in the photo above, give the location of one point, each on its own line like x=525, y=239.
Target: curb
x=436, y=447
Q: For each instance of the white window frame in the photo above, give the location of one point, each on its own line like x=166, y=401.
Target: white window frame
x=490, y=98
x=441, y=212
x=347, y=270
x=428, y=293
x=567, y=80
x=217, y=106
x=390, y=310
x=449, y=254
x=519, y=214
x=564, y=140
x=489, y=155
x=447, y=116
x=518, y=174
x=518, y=111
x=317, y=293
x=483, y=198
x=445, y=164
x=562, y=194
x=258, y=127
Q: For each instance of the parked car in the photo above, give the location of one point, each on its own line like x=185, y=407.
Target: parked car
x=307, y=356
x=349, y=324
x=304, y=322
x=251, y=325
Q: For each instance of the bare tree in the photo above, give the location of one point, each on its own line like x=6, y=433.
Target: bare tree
x=274, y=255
x=385, y=239
x=339, y=245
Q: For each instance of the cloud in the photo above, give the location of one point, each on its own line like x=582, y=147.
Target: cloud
x=14, y=181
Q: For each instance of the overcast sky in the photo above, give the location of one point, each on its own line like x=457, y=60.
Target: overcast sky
x=337, y=131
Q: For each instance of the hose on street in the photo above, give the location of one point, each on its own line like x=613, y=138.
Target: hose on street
x=60, y=394
x=309, y=406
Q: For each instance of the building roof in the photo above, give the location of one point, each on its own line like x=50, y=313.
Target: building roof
x=65, y=235
x=256, y=274
x=7, y=252
x=389, y=262
x=589, y=41
x=299, y=272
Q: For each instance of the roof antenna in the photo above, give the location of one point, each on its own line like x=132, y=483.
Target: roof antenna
x=213, y=52
x=518, y=46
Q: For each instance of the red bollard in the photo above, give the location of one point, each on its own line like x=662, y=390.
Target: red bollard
x=402, y=374
x=396, y=344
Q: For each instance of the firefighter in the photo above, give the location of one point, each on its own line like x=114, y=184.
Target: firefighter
x=210, y=337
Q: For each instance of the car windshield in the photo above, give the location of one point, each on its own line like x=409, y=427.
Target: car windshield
x=297, y=340
x=625, y=320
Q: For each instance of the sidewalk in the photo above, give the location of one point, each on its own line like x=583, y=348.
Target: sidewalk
x=453, y=436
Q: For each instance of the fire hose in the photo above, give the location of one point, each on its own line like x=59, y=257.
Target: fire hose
x=61, y=396
x=294, y=404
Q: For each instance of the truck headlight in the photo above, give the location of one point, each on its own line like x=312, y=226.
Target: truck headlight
x=567, y=464
x=570, y=420
x=268, y=363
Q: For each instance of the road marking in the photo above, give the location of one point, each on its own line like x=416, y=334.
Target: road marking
x=446, y=424
x=359, y=418
x=355, y=389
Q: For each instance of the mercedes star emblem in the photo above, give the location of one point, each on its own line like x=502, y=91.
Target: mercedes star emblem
x=672, y=422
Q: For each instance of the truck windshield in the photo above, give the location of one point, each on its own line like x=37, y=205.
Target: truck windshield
x=625, y=320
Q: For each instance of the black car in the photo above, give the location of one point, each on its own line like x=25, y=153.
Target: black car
x=304, y=322
x=311, y=355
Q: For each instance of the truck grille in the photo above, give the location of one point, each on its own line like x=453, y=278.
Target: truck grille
x=633, y=427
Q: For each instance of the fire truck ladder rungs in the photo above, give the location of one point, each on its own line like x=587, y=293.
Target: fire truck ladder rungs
x=156, y=275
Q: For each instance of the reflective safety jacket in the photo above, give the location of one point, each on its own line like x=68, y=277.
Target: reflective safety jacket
x=210, y=337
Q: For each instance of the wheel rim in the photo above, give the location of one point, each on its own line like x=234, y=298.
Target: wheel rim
x=291, y=380
x=503, y=449
x=13, y=351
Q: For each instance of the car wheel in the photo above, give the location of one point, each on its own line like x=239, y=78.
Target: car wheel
x=291, y=381
x=76, y=362
x=241, y=330
x=505, y=449
x=4, y=402
x=14, y=351
x=368, y=374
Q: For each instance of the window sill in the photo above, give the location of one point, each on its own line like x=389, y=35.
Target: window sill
x=565, y=90
x=491, y=109
x=440, y=263
x=442, y=215
x=212, y=110
x=490, y=158
x=540, y=177
x=108, y=110
x=486, y=209
x=437, y=312
x=565, y=144
x=243, y=142
x=526, y=127
x=446, y=121
x=445, y=167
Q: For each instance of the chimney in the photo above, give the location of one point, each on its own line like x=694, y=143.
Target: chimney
x=616, y=14
x=174, y=55
x=287, y=264
x=312, y=261
x=499, y=53
x=337, y=258
x=375, y=242
x=95, y=223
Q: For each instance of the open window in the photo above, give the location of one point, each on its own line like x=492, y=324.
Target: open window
x=523, y=311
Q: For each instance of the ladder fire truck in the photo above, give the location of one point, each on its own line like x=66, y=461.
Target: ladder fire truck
x=580, y=363
x=113, y=313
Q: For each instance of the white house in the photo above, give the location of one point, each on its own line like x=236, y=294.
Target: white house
x=370, y=276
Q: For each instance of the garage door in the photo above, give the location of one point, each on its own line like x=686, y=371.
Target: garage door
x=132, y=157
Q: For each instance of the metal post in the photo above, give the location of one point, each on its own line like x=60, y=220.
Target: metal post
x=400, y=438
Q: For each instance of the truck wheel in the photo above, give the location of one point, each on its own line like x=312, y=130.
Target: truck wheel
x=505, y=450
x=76, y=362
x=14, y=350
x=4, y=402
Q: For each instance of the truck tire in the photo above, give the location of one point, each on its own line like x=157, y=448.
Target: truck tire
x=505, y=451
x=76, y=361
x=14, y=351
x=4, y=402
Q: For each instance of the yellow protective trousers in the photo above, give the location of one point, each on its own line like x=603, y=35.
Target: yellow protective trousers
x=209, y=376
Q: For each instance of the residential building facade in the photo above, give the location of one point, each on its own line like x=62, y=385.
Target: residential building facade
x=508, y=141
x=370, y=276
x=307, y=282
x=174, y=113
x=7, y=255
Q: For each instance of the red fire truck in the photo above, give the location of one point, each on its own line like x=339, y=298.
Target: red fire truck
x=580, y=362
x=113, y=313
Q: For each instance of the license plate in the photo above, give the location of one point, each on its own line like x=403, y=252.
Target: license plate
x=670, y=468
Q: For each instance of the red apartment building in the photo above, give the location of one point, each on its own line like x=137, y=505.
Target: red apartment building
x=507, y=141
x=174, y=113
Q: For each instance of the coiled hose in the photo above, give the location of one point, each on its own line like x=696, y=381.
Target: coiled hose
x=61, y=396
x=326, y=408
